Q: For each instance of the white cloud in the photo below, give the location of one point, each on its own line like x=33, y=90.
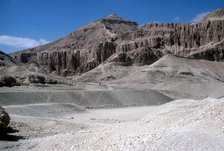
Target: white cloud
x=21, y=42
x=199, y=17
x=176, y=19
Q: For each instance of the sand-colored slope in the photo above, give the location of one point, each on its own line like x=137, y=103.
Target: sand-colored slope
x=177, y=77
x=106, y=72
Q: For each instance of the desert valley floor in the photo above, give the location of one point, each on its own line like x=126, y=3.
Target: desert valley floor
x=178, y=125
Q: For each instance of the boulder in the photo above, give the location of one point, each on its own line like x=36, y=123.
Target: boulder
x=4, y=121
x=36, y=79
x=8, y=81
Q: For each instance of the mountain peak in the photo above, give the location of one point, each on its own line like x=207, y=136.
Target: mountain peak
x=112, y=15
x=114, y=18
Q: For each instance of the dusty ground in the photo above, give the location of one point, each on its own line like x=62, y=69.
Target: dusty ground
x=178, y=125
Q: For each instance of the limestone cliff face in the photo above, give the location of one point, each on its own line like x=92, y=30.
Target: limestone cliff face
x=77, y=60
x=115, y=39
x=179, y=39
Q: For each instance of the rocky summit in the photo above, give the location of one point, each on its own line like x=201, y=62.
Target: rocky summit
x=117, y=39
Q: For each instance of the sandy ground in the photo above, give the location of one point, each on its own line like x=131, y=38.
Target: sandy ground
x=178, y=125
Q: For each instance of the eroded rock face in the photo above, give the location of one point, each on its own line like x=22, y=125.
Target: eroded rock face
x=213, y=53
x=188, y=37
x=115, y=39
x=4, y=121
x=139, y=56
x=59, y=61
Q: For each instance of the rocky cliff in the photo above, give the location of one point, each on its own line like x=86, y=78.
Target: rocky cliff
x=116, y=39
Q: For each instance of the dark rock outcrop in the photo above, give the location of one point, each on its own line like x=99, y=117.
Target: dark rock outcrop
x=5, y=59
x=4, y=121
x=8, y=81
x=37, y=79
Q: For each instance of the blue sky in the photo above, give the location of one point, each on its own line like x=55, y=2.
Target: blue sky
x=28, y=23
